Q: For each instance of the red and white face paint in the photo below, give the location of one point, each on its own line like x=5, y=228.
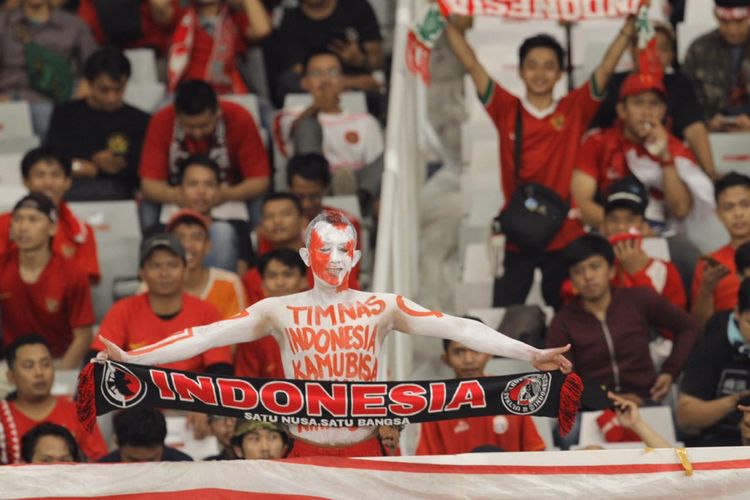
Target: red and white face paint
x=332, y=254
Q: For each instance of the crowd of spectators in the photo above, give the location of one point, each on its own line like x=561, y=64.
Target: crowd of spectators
x=628, y=154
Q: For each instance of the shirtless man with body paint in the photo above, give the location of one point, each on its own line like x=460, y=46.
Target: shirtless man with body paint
x=334, y=333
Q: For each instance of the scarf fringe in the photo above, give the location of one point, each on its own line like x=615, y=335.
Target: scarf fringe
x=86, y=398
x=570, y=400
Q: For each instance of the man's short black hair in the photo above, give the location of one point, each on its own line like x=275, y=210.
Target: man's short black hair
x=286, y=256
x=282, y=196
x=194, y=97
x=742, y=258
x=43, y=154
x=743, y=297
x=312, y=55
x=447, y=342
x=730, y=180
x=110, y=61
x=30, y=440
x=542, y=41
x=203, y=161
x=587, y=246
x=11, y=352
x=311, y=167
x=140, y=426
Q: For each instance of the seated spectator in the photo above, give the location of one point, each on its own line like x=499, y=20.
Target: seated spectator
x=143, y=319
x=210, y=36
x=348, y=28
x=39, y=291
x=609, y=328
x=451, y=437
x=49, y=443
x=684, y=117
x=38, y=46
x=716, y=378
x=222, y=429
x=717, y=62
x=351, y=142
x=140, y=433
x=281, y=272
x=197, y=123
x=32, y=372
x=132, y=23
x=105, y=141
x=715, y=284
x=46, y=173
x=260, y=441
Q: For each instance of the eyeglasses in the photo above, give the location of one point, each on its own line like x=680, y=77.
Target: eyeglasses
x=317, y=73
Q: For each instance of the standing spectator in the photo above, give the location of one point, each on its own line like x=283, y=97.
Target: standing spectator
x=38, y=43
x=210, y=36
x=717, y=377
x=143, y=319
x=32, y=372
x=132, y=23
x=140, y=434
x=222, y=429
x=551, y=131
x=49, y=443
x=609, y=328
x=719, y=65
x=197, y=123
x=464, y=435
x=351, y=142
x=684, y=115
x=715, y=284
x=39, y=291
x=260, y=440
x=106, y=138
x=44, y=172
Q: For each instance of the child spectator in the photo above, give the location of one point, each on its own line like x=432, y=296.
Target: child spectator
x=140, y=434
x=260, y=441
x=39, y=291
x=106, y=138
x=210, y=36
x=32, y=372
x=46, y=173
x=197, y=123
x=141, y=320
x=49, y=443
x=464, y=435
x=222, y=429
x=715, y=283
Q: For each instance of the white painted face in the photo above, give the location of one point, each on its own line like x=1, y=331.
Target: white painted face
x=331, y=254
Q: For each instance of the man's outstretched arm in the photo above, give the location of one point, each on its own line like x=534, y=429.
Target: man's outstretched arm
x=466, y=55
x=618, y=46
x=412, y=318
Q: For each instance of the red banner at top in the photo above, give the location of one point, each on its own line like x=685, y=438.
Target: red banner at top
x=568, y=10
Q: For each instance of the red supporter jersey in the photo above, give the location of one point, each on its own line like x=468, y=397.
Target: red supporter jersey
x=259, y=358
x=74, y=240
x=550, y=143
x=153, y=35
x=451, y=437
x=132, y=324
x=247, y=156
x=725, y=293
x=15, y=424
x=58, y=302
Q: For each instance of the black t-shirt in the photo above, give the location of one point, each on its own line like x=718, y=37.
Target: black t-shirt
x=169, y=455
x=683, y=108
x=717, y=369
x=78, y=131
x=351, y=19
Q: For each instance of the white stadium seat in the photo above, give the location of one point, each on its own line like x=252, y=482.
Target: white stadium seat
x=354, y=102
x=142, y=66
x=145, y=96
x=659, y=418
x=16, y=132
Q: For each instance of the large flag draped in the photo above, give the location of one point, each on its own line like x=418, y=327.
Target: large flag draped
x=107, y=386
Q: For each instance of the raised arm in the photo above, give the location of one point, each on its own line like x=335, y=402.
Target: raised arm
x=250, y=324
x=412, y=318
x=619, y=45
x=466, y=55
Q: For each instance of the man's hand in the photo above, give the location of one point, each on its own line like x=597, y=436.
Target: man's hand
x=626, y=410
x=631, y=256
x=713, y=273
x=661, y=386
x=552, y=359
x=745, y=424
x=111, y=351
x=656, y=140
x=109, y=162
x=85, y=168
x=389, y=437
x=349, y=52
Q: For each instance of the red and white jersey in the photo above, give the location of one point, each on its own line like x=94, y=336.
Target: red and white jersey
x=350, y=140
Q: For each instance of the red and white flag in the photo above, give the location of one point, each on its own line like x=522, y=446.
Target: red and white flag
x=568, y=10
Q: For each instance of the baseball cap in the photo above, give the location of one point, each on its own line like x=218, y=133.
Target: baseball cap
x=728, y=10
x=637, y=83
x=39, y=202
x=186, y=214
x=247, y=426
x=165, y=241
x=627, y=193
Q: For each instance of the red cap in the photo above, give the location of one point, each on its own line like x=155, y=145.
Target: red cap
x=637, y=83
x=187, y=214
